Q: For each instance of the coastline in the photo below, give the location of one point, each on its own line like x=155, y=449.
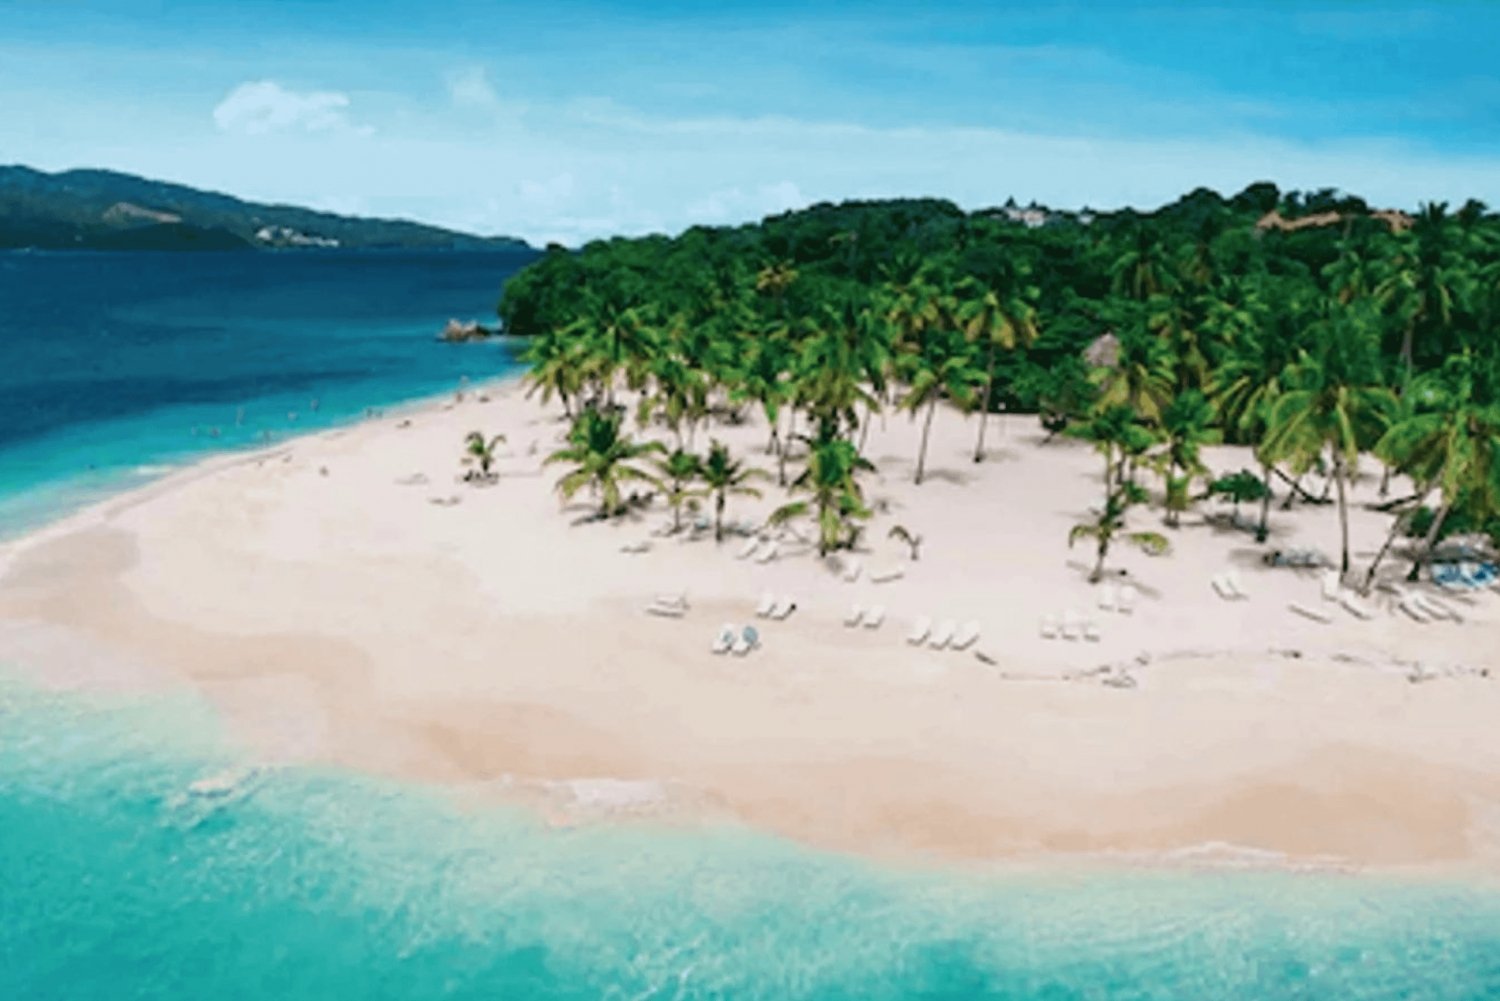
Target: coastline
x=496, y=648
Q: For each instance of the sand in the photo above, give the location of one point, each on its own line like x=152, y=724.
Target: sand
x=499, y=646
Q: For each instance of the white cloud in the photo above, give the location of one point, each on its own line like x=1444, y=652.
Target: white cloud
x=471, y=88
x=257, y=107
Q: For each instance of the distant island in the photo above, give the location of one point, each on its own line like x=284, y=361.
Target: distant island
x=106, y=210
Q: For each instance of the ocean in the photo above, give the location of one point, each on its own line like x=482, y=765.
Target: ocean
x=116, y=368
x=119, y=881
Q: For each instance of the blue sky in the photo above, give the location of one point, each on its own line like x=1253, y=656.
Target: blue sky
x=569, y=120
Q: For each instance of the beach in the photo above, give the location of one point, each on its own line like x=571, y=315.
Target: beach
x=336, y=606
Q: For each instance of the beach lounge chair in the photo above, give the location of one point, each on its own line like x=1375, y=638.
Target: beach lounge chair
x=1048, y=627
x=639, y=546
x=1309, y=613
x=1126, y=602
x=768, y=553
x=966, y=636
x=874, y=617
x=1072, y=625
x=725, y=638
x=942, y=634
x=1354, y=606
x=748, y=639
x=919, y=631
x=888, y=574
x=747, y=550
x=1436, y=608
x=786, y=606
x=1221, y=588
x=671, y=611
x=1236, y=584
x=852, y=571
x=767, y=602
x=1331, y=585
x=1090, y=630
x=1107, y=598
x=855, y=616
x=1408, y=603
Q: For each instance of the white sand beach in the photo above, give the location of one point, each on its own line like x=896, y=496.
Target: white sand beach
x=336, y=613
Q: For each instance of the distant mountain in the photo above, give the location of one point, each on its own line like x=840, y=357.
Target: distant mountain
x=104, y=210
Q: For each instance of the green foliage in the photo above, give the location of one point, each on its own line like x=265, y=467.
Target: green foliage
x=603, y=459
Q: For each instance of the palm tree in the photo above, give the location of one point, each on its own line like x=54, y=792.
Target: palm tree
x=724, y=477
x=1140, y=378
x=603, y=459
x=1186, y=428
x=831, y=478
x=1427, y=280
x=481, y=450
x=556, y=368
x=1110, y=525
x=1115, y=433
x=1333, y=402
x=678, y=471
x=995, y=318
x=762, y=380
x=931, y=377
x=1449, y=443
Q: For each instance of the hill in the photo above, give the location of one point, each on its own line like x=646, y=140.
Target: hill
x=105, y=210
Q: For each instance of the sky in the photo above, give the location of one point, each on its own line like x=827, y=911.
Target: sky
x=564, y=121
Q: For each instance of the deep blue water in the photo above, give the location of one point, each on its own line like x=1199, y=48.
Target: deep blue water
x=114, y=366
x=116, y=883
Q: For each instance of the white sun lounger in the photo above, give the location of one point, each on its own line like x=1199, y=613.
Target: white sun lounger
x=855, y=616
x=1072, y=625
x=874, y=617
x=1107, y=598
x=1128, y=594
x=767, y=602
x=1310, y=613
x=852, y=571
x=1091, y=630
x=1354, y=606
x=942, y=634
x=724, y=639
x=747, y=640
x=1331, y=585
x=1407, y=602
x=639, y=546
x=919, y=631
x=784, y=607
x=1221, y=587
x=1436, y=608
x=769, y=552
x=888, y=574
x=967, y=634
x=747, y=550
x=1048, y=627
x=1236, y=584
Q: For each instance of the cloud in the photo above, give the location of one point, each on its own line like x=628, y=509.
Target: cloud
x=471, y=88
x=258, y=107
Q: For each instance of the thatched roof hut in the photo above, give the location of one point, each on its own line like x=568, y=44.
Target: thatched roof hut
x=1104, y=352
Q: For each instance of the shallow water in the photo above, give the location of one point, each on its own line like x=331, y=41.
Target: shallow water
x=116, y=367
x=116, y=881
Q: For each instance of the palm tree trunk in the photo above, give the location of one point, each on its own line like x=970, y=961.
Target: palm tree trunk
x=1098, y=573
x=1430, y=541
x=1262, y=530
x=926, y=429
x=1338, y=476
x=719, y=517
x=984, y=404
x=1402, y=520
x=864, y=429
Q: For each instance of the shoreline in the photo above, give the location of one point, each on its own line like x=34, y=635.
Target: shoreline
x=497, y=642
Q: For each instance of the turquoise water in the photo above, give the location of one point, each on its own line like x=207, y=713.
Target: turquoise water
x=116, y=367
x=115, y=883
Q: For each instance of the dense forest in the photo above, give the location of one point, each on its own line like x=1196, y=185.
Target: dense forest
x=1313, y=327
